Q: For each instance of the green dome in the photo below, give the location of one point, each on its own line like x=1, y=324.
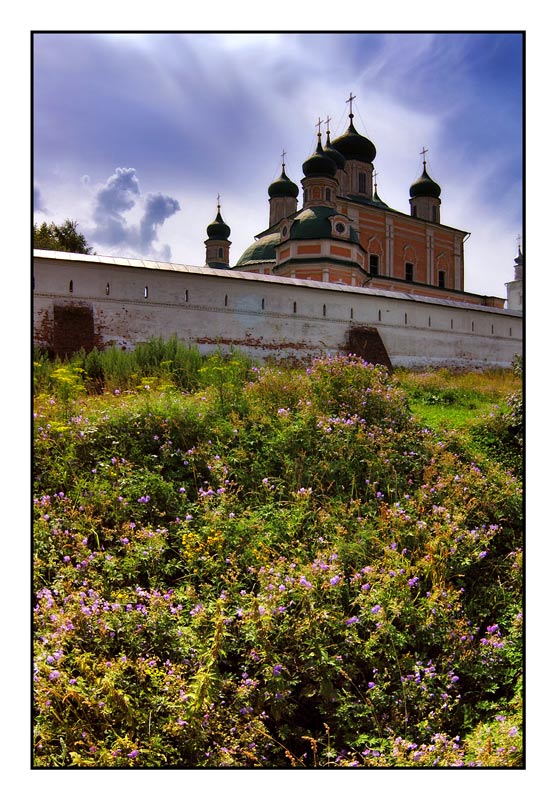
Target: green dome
x=355, y=147
x=283, y=187
x=263, y=249
x=218, y=229
x=424, y=186
x=319, y=164
x=314, y=223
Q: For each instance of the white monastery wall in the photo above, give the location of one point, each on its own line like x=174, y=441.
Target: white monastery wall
x=131, y=301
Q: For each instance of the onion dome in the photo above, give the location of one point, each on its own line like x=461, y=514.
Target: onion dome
x=424, y=186
x=319, y=165
x=334, y=154
x=218, y=229
x=353, y=146
x=283, y=186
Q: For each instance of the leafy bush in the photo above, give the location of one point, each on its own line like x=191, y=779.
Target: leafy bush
x=281, y=569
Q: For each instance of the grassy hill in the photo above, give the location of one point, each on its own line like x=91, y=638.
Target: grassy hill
x=239, y=565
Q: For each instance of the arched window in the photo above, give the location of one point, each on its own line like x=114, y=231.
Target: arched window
x=362, y=183
x=374, y=261
x=441, y=279
x=327, y=194
x=220, y=252
x=408, y=271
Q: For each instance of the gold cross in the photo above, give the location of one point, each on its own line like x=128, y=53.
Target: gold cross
x=283, y=154
x=327, y=120
x=424, y=152
x=350, y=100
x=319, y=123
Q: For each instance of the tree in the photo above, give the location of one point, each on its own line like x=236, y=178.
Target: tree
x=60, y=237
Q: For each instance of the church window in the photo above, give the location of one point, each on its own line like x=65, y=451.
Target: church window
x=408, y=271
x=441, y=278
x=362, y=183
x=327, y=195
x=340, y=227
x=373, y=265
x=413, y=211
x=434, y=214
x=285, y=231
x=220, y=252
x=71, y=286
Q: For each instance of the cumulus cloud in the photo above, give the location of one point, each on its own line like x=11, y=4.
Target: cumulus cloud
x=114, y=200
x=38, y=202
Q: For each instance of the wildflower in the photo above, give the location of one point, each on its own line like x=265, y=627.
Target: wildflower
x=483, y=554
x=412, y=581
x=133, y=754
x=352, y=620
x=277, y=669
x=371, y=684
x=54, y=675
x=376, y=609
x=336, y=579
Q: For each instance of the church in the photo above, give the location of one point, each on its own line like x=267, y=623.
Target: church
x=345, y=234
x=342, y=273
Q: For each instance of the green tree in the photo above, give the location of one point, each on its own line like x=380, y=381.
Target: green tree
x=60, y=237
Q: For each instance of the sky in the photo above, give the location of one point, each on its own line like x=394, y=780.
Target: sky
x=136, y=135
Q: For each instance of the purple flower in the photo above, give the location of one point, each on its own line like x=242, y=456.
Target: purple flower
x=277, y=669
x=412, y=581
x=54, y=675
x=376, y=609
x=371, y=684
x=336, y=579
x=352, y=620
x=133, y=754
x=483, y=554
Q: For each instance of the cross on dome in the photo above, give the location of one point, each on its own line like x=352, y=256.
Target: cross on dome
x=424, y=152
x=350, y=100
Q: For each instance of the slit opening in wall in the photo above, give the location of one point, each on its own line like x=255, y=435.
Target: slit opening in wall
x=324, y=310
x=262, y=304
x=452, y=324
x=429, y=322
x=107, y=290
x=71, y=286
x=294, y=307
x=379, y=315
x=405, y=319
x=472, y=327
x=187, y=295
x=226, y=300
x=146, y=292
x=351, y=313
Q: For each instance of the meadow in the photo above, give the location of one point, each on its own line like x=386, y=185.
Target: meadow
x=239, y=565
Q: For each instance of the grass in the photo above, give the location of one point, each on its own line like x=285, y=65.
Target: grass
x=273, y=567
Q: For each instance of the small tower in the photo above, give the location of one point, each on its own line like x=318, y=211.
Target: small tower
x=514, y=289
x=218, y=242
x=356, y=177
x=424, y=196
x=319, y=184
x=282, y=197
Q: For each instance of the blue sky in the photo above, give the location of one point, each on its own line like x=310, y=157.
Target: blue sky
x=135, y=135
